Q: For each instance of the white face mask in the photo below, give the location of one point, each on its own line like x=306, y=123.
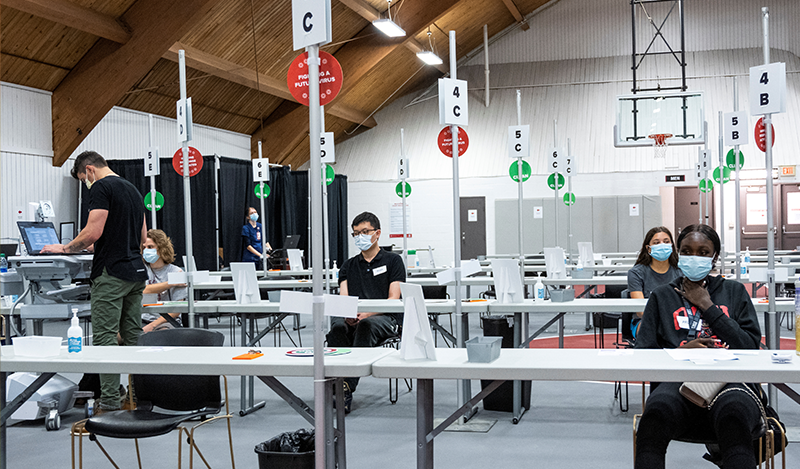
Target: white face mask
x=88, y=182
x=364, y=241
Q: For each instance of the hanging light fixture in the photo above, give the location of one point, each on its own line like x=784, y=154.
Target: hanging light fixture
x=387, y=26
x=428, y=56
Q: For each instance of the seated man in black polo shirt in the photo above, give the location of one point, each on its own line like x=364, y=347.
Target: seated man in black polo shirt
x=373, y=274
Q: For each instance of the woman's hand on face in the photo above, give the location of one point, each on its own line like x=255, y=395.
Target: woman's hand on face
x=696, y=294
x=699, y=343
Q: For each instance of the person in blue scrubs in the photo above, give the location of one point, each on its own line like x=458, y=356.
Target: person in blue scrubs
x=251, y=239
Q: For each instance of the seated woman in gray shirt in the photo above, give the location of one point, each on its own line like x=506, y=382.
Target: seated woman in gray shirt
x=656, y=265
x=158, y=255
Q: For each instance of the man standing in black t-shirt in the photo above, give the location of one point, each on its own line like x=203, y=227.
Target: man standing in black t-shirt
x=117, y=228
x=373, y=274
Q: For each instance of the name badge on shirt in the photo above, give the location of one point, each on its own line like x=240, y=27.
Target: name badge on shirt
x=258, y=235
x=683, y=323
x=379, y=270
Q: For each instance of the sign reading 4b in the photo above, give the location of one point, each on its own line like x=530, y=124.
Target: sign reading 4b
x=453, y=102
x=768, y=89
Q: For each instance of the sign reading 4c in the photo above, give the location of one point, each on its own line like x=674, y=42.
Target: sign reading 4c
x=311, y=22
x=453, y=102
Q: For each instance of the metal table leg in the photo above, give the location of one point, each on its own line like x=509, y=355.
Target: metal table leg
x=424, y=423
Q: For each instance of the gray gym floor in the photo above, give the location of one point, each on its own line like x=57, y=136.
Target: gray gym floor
x=570, y=424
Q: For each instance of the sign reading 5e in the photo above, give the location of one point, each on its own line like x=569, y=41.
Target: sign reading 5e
x=151, y=162
x=768, y=89
x=735, y=128
x=519, y=142
x=261, y=170
x=311, y=22
x=453, y=102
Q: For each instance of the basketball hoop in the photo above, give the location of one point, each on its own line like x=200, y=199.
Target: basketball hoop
x=660, y=144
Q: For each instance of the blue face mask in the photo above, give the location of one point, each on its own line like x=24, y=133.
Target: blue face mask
x=254, y=217
x=661, y=252
x=695, y=268
x=364, y=241
x=150, y=255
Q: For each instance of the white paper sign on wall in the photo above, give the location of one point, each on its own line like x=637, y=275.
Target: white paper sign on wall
x=472, y=215
x=537, y=212
x=768, y=89
x=402, y=168
x=519, y=142
x=633, y=210
x=555, y=160
x=261, y=170
x=735, y=128
x=453, y=102
x=326, y=151
x=151, y=163
x=311, y=22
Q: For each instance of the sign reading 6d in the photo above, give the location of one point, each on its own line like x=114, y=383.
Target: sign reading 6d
x=452, y=102
x=555, y=160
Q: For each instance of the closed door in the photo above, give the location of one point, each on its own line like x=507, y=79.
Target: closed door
x=790, y=216
x=753, y=217
x=473, y=227
x=687, y=208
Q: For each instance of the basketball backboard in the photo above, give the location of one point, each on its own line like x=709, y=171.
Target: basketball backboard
x=680, y=114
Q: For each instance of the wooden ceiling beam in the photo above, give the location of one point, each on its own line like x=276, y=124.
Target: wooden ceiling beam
x=512, y=8
x=109, y=70
x=370, y=14
x=244, y=76
x=74, y=16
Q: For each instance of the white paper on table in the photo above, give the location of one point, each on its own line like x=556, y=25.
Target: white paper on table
x=295, y=259
x=176, y=278
x=781, y=274
x=586, y=254
x=554, y=262
x=468, y=268
x=245, y=284
x=201, y=276
x=417, y=341
x=296, y=302
x=341, y=306
x=507, y=282
x=701, y=354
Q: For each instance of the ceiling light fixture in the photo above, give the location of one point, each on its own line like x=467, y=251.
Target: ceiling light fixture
x=387, y=26
x=428, y=56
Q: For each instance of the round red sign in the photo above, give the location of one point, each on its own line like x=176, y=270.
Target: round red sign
x=761, y=135
x=446, y=141
x=195, y=161
x=330, y=78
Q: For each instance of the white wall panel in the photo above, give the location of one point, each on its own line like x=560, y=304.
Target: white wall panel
x=25, y=119
x=577, y=29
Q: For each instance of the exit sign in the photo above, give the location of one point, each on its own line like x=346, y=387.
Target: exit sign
x=675, y=178
x=787, y=171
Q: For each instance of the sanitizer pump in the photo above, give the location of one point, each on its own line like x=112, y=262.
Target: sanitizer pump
x=538, y=290
x=75, y=334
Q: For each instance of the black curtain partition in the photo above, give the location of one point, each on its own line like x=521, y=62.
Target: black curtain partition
x=286, y=207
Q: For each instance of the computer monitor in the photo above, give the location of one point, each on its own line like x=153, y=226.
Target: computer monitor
x=37, y=235
x=291, y=242
x=9, y=249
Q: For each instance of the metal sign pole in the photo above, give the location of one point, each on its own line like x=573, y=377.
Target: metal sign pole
x=216, y=205
x=737, y=239
x=518, y=335
x=153, y=224
x=315, y=172
x=187, y=195
x=771, y=321
x=569, y=207
x=555, y=180
x=721, y=196
x=263, y=220
x=462, y=321
x=326, y=237
x=403, y=192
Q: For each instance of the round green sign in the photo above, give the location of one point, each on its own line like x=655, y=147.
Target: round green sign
x=706, y=185
x=569, y=198
x=513, y=170
x=551, y=181
x=730, y=159
x=329, y=174
x=726, y=175
x=159, y=201
x=257, y=190
x=398, y=189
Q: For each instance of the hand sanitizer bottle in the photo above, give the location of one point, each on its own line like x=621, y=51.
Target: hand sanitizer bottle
x=75, y=333
x=335, y=272
x=538, y=290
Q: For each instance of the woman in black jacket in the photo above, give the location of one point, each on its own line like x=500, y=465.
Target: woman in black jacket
x=721, y=314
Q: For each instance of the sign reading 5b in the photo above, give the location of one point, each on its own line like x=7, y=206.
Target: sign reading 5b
x=452, y=102
x=735, y=128
x=556, y=160
x=768, y=89
x=519, y=142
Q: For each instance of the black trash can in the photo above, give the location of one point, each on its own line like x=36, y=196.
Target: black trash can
x=290, y=450
x=502, y=398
